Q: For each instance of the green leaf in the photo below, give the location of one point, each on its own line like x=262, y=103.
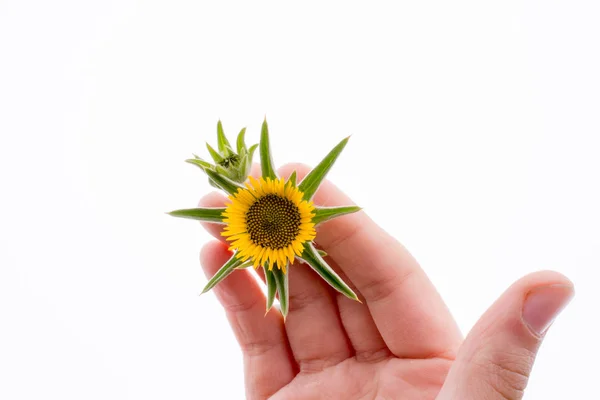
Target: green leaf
x=266, y=161
x=222, y=273
x=271, y=287
x=311, y=182
x=323, y=214
x=221, y=138
x=199, y=162
x=292, y=179
x=322, y=253
x=224, y=183
x=201, y=214
x=316, y=262
x=241, y=143
x=213, y=153
x=282, y=281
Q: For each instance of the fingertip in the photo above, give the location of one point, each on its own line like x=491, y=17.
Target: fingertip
x=508, y=309
x=212, y=199
x=213, y=255
x=507, y=338
x=255, y=170
x=300, y=168
x=542, y=278
x=542, y=306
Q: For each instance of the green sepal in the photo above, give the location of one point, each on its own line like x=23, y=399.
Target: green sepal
x=223, y=182
x=282, y=281
x=243, y=152
x=201, y=214
x=228, y=151
x=323, y=214
x=313, y=180
x=222, y=141
x=221, y=170
x=222, y=273
x=266, y=160
x=271, y=287
x=241, y=142
x=244, y=164
x=311, y=256
x=213, y=153
x=245, y=265
x=251, y=151
x=199, y=162
x=322, y=253
x=292, y=179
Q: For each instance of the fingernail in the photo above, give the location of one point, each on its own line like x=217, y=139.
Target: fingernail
x=543, y=304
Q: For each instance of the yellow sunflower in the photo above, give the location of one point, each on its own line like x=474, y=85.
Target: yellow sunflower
x=269, y=222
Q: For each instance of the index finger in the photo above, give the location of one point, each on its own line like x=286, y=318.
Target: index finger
x=408, y=311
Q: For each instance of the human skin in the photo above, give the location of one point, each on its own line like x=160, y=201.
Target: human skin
x=400, y=343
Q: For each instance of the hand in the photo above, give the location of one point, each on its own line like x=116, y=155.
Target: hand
x=401, y=343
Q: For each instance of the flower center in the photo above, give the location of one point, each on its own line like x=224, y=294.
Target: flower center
x=273, y=221
x=232, y=160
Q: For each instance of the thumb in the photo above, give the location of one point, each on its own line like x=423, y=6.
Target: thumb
x=496, y=358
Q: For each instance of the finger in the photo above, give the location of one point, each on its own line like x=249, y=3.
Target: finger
x=338, y=320
x=360, y=329
x=313, y=323
x=358, y=323
x=496, y=358
x=261, y=337
x=355, y=318
x=409, y=313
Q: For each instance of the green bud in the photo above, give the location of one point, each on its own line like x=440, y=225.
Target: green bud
x=227, y=163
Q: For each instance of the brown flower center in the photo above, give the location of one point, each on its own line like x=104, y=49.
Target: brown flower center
x=273, y=221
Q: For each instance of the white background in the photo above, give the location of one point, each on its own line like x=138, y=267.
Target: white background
x=475, y=142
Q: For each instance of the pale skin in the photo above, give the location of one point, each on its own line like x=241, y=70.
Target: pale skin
x=400, y=343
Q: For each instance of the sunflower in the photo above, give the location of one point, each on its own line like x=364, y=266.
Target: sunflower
x=269, y=222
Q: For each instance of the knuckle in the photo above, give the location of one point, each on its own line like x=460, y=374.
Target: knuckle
x=342, y=237
x=311, y=365
x=507, y=371
x=381, y=287
x=373, y=356
x=236, y=308
x=305, y=298
x=257, y=348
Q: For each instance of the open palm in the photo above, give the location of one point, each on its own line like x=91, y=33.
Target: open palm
x=400, y=343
